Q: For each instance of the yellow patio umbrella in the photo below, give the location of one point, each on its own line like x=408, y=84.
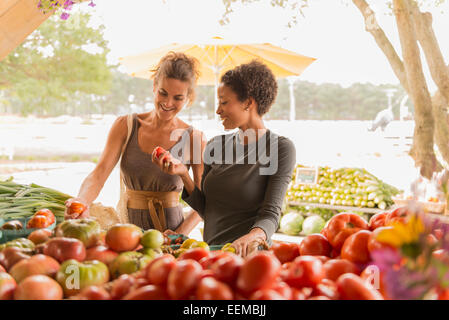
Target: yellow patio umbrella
x=216, y=56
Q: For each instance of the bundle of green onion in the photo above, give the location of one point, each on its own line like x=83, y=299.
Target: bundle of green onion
x=22, y=201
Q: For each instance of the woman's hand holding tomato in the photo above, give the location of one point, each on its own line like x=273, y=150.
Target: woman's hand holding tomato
x=167, y=163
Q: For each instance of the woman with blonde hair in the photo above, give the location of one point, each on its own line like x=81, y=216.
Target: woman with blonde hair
x=152, y=196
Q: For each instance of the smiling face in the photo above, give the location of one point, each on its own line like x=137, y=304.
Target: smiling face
x=170, y=96
x=230, y=109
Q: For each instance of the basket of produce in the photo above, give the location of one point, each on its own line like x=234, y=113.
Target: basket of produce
x=22, y=227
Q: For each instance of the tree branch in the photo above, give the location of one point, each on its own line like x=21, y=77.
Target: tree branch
x=382, y=41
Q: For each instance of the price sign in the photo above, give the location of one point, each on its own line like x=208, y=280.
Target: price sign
x=306, y=176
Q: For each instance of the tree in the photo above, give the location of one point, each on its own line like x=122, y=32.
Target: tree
x=415, y=29
x=52, y=65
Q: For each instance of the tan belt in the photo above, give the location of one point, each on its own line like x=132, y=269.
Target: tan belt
x=155, y=202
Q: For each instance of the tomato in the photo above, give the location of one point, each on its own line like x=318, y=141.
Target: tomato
x=93, y=293
x=74, y=276
x=76, y=209
x=305, y=271
x=40, y=236
x=333, y=269
x=159, y=151
x=355, y=248
x=195, y=254
x=88, y=231
x=38, y=222
x=319, y=298
x=7, y=286
x=159, y=269
x=101, y=253
x=285, y=251
x=38, y=287
x=373, y=277
x=38, y=264
x=398, y=215
x=352, y=287
x=46, y=213
x=377, y=220
x=183, y=279
x=207, y=262
x=283, y=289
x=122, y=286
x=267, y=294
x=323, y=259
x=212, y=289
x=374, y=244
x=152, y=239
x=301, y=294
x=63, y=249
x=147, y=292
x=259, y=271
x=315, y=245
x=12, y=225
x=123, y=237
x=128, y=262
x=341, y=226
x=227, y=269
x=12, y=255
x=326, y=288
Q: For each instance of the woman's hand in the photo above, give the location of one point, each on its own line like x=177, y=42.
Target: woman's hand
x=249, y=243
x=168, y=164
x=75, y=208
x=169, y=232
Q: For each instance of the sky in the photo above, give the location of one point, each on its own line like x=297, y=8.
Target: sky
x=332, y=31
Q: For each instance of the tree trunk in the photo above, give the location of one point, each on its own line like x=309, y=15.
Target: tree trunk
x=422, y=150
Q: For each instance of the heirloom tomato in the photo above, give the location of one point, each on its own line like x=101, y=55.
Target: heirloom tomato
x=341, y=226
x=355, y=247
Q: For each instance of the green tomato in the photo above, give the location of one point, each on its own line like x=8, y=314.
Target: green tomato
x=73, y=276
x=152, y=239
x=88, y=231
x=128, y=262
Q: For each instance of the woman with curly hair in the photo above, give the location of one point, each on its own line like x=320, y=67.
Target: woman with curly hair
x=246, y=173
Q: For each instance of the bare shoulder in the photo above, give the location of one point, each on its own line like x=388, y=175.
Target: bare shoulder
x=182, y=124
x=120, y=127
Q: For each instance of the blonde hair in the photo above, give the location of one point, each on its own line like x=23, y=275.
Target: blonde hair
x=179, y=66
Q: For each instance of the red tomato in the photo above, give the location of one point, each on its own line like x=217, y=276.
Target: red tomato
x=38, y=222
x=305, y=271
x=212, y=289
x=159, y=151
x=7, y=286
x=207, y=262
x=195, y=254
x=76, y=209
x=46, y=213
x=301, y=294
x=38, y=287
x=398, y=215
x=40, y=236
x=94, y=293
x=355, y=248
x=377, y=221
x=285, y=251
x=323, y=259
x=227, y=269
x=121, y=286
x=101, y=253
x=158, y=271
x=374, y=244
x=372, y=276
x=319, y=298
x=148, y=292
x=341, y=226
x=315, y=245
x=352, y=287
x=123, y=237
x=259, y=271
x=326, y=288
x=183, y=279
x=37, y=264
x=283, y=289
x=267, y=294
x=333, y=269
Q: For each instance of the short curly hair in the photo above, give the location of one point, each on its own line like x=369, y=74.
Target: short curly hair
x=253, y=80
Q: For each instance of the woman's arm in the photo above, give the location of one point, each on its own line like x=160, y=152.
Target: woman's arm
x=269, y=213
x=94, y=182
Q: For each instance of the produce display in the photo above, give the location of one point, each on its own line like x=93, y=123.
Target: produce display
x=351, y=258
x=19, y=201
x=344, y=187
